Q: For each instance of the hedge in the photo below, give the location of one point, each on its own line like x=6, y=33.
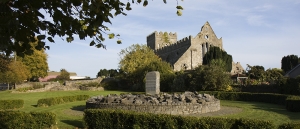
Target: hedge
x=118, y=119
x=11, y=104
x=32, y=120
x=290, y=126
x=292, y=103
x=59, y=100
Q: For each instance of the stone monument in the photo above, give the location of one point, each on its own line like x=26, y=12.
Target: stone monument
x=153, y=83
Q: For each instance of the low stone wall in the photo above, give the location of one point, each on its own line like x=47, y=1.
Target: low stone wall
x=175, y=104
x=79, y=82
x=48, y=85
x=173, y=109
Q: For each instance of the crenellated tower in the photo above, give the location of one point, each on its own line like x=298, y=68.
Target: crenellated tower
x=158, y=40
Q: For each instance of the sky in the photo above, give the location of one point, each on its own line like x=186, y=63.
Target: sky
x=254, y=32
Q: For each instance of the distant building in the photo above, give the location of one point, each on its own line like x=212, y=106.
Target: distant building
x=294, y=72
x=54, y=75
x=187, y=53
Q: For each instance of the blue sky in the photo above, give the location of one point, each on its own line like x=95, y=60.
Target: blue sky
x=254, y=32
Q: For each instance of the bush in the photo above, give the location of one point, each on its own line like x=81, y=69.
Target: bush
x=59, y=100
x=110, y=84
x=11, y=104
x=293, y=103
x=118, y=119
x=90, y=84
x=38, y=86
x=32, y=120
x=290, y=126
x=24, y=89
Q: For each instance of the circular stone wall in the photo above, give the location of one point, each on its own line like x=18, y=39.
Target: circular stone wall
x=175, y=104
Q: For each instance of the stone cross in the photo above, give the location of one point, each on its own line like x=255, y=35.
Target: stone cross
x=152, y=83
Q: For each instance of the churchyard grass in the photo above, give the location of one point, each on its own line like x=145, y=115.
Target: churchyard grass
x=262, y=111
x=70, y=115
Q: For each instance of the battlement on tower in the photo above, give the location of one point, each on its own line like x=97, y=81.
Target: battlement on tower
x=185, y=42
x=157, y=40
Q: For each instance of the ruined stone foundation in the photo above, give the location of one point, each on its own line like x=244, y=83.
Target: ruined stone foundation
x=175, y=104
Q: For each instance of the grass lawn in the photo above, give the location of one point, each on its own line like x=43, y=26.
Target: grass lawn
x=69, y=115
x=263, y=111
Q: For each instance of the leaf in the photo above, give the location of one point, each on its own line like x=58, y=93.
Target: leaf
x=69, y=39
x=47, y=47
x=92, y=43
x=119, y=41
x=111, y=36
x=179, y=7
x=139, y=1
x=165, y=1
x=50, y=39
x=145, y=3
x=41, y=37
x=128, y=6
x=179, y=13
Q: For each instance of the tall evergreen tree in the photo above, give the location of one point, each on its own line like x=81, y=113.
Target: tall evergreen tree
x=289, y=62
x=215, y=53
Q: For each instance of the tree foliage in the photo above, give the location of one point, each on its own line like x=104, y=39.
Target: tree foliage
x=137, y=60
x=4, y=63
x=215, y=54
x=64, y=75
x=289, y=62
x=274, y=76
x=36, y=62
x=210, y=77
x=16, y=73
x=23, y=20
x=107, y=73
x=256, y=72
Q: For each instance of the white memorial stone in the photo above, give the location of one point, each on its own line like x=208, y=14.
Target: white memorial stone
x=153, y=83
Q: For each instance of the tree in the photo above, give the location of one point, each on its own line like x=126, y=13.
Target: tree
x=210, y=77
x=215, y=54
x=23, y=20
x=137, y=60
x=107, y=73
x=36, y=62
x=274, y=76
x=4, y=63
x=256, y=72
x=64, y=75
x=16, y=73
x=289, y=62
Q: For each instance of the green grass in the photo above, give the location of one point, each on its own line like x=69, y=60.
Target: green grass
x=263, y=111
x=69, y=115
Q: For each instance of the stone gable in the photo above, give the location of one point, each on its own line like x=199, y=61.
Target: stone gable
x=187, y=53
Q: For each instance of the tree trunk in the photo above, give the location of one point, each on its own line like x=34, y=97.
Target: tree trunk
x=7, y=86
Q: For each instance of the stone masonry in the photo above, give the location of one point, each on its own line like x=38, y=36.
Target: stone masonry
x=187, y=53
x=175, y=104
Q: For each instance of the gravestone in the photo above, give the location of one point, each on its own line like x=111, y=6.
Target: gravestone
x=152, y=83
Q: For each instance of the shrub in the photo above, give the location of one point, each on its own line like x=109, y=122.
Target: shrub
x=110, y=84
x=11, y=104
x=24, y=89
x=38, y=86
x=59, y=100
x=90, y=84
x=105, y=118
x=289, y=126
x=32, y=120
x=293, y=103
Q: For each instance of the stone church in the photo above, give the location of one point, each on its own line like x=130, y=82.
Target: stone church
x=187, y=53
